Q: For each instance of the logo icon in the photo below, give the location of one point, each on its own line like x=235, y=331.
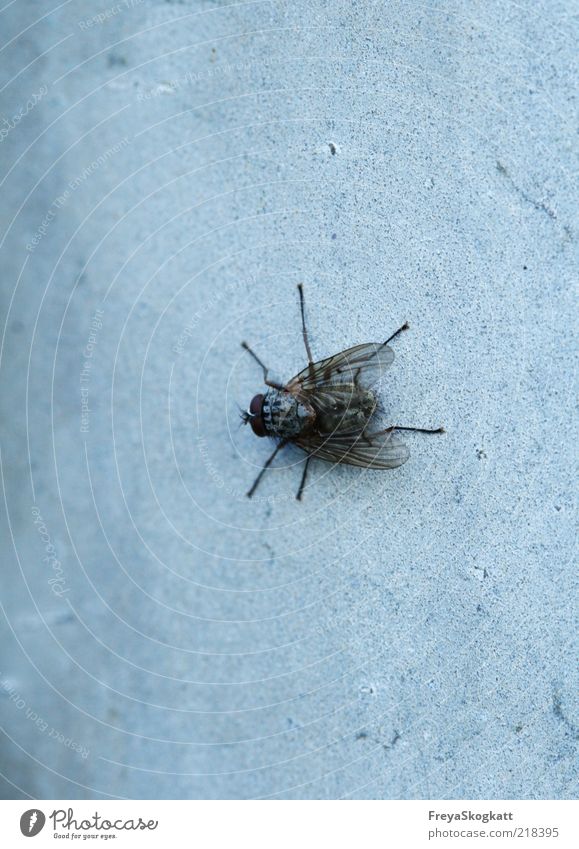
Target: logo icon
x=32, y=822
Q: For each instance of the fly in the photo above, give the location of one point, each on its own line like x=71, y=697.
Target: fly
x=327, y=409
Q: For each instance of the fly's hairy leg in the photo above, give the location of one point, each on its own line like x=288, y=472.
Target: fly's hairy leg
x=415, y=429
x=267, y=382
x=405, y=326
x=304, y=330
x=303, y=480
x=266, y=466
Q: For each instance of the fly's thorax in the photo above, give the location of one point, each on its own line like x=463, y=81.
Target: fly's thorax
x=284, y=415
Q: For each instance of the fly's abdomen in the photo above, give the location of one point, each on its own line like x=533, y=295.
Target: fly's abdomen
x=343, y=408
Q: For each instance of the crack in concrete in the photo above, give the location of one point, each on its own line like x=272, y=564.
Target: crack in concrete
x=540, y=206
x=558, y=711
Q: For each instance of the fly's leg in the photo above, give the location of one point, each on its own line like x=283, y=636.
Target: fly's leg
x=416, y=429
x=405, y=326
x=264, y=368
x=303, y=481
x=266, y=466
x=304, y=330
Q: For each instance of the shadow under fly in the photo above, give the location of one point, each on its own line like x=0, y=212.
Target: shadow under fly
x=327, y=409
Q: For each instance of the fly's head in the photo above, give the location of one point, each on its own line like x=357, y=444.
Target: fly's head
x=278, y=413
x=254, y=416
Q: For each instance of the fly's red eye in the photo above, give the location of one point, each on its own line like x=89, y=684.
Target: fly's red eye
x=256, y=420
x=256, y=405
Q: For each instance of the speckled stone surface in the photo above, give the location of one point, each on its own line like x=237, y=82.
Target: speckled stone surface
x=170, y=171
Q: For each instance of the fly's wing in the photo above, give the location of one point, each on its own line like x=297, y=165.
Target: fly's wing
x=361, y=364
x=379, y=450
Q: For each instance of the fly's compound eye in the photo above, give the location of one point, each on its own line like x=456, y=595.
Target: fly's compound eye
x=255, y=416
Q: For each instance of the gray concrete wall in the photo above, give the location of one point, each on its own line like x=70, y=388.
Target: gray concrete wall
x=170, y=171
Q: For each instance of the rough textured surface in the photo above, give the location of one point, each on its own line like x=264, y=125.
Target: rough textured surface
x=181, y=166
